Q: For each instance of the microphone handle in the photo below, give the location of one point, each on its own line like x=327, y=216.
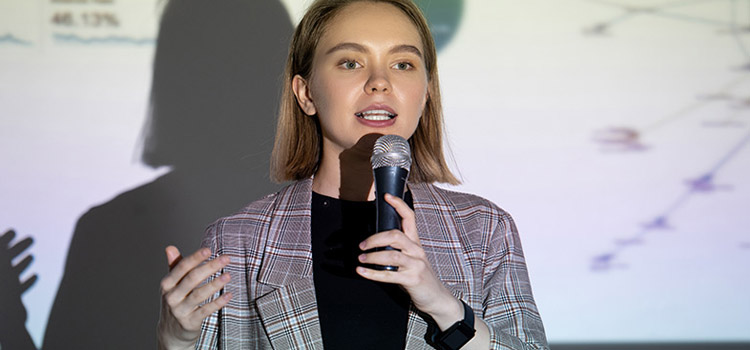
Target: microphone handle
x=391, y=180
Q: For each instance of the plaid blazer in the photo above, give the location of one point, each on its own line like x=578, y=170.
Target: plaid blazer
x=472, y=244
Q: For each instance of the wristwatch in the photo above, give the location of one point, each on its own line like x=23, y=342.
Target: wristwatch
x=458, y=334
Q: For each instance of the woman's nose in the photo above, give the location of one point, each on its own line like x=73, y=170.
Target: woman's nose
x=378, y=82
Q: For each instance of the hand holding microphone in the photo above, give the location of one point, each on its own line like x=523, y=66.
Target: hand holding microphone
x=391, y=161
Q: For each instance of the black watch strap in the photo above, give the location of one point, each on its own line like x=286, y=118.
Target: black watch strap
x=458, y=334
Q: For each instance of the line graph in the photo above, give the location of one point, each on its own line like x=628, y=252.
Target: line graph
x=12, y=39
x=731, y=97
x=112, y=39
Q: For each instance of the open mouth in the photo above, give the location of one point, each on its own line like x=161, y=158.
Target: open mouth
x=376, y=115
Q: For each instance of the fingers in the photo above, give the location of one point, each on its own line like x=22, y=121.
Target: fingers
x=186, y=307
x=183, y=294
x=393, y=238
x=407, y=240
x=198, y=295
x=213, y=306
x=20, y=247
x=23, y=265
x=15, y=251
x=386, y=258
x=408, y=222
x=381, y=276
x=6, y=238
x=183, y=266
x=410, y=273
x=173, y=256
x=186, y=287
x=28, y=283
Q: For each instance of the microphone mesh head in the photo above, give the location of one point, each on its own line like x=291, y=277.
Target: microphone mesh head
x=391, y=151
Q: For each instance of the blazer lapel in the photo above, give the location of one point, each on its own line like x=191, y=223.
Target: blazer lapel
x=289, y=312
x=290, y=316
x=416, y=330
x=440, y=233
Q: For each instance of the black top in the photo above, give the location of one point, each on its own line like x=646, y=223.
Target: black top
x=355, y=313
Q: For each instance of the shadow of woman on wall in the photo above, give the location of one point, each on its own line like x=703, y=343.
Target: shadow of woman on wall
x=214, y=96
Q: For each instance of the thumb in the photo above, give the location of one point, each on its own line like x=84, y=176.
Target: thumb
x=173, y=256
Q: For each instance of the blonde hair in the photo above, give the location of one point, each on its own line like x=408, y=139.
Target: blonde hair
x=298, y=146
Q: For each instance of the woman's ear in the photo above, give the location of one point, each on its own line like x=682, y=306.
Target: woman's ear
x=302, y=92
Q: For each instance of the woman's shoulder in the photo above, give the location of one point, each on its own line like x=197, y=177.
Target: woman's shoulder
x=292, y=199
x=430, y=195
x=452, y=216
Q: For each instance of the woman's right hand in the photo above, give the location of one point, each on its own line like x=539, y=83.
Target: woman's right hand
x=181, y=295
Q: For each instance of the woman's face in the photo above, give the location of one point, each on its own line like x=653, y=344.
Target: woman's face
x=368, y=76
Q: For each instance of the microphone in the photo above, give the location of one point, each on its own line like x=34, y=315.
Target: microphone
x=391, y=161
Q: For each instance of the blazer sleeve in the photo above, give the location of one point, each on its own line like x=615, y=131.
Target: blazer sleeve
x=210, y=327
x=509, y=309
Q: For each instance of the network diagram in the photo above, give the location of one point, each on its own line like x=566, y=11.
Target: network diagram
x=631, y=139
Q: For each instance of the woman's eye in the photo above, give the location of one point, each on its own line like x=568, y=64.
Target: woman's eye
x=403, y=66
x=349, y=64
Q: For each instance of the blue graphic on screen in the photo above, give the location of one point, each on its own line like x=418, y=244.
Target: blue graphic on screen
x=113, y=39
x=444, y=18
x=12, y=39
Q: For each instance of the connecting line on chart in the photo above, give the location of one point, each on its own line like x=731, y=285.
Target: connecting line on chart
x=628, y=139
x=12, y=39
x=73, y=38
x=736, y=29
x=731, y=25
x=631, y=12
x=702, y=184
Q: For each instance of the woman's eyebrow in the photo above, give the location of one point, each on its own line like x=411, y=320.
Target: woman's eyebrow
x=406, y=48
x=360, y=48
x=347, y=46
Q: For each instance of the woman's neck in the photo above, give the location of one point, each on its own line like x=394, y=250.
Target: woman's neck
x=346, y=174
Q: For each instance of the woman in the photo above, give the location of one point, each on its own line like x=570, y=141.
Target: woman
x=279, y=272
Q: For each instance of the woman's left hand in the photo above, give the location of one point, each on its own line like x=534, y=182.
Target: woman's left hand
x=414, y=272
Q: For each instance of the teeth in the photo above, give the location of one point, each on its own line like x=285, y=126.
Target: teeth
x=376, y=115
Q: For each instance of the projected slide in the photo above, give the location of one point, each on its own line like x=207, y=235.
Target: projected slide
x=616, y=133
